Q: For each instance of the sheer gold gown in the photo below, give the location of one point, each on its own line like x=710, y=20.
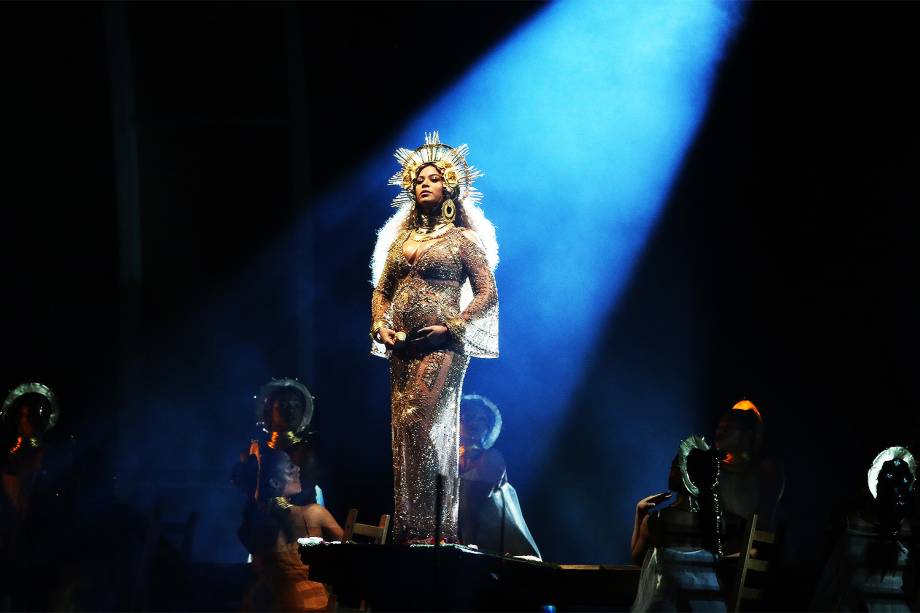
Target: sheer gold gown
x=450, y=279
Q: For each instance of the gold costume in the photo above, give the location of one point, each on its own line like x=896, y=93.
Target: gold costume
x=426, y=385
x=284, y=583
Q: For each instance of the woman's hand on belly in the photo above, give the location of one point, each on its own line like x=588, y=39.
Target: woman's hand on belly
x=387, y=337
x=430, y=337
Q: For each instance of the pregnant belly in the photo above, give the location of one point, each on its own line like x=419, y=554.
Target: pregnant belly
x=416, y=307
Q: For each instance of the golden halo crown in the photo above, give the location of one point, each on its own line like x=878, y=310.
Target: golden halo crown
x=450, y=162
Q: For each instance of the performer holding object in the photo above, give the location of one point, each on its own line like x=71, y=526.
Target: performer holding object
x=434, y=306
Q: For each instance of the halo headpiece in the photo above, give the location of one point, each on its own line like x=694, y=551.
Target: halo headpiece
x=892, y=453
x=683, y=452
x=263, y=412
x=489, y=439
x=48, y=416
x=450, y=162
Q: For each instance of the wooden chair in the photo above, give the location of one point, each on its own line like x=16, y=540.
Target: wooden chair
x=748, y=563
x=378, y=533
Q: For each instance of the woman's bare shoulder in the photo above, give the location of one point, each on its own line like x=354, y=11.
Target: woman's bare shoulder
x=317, y=515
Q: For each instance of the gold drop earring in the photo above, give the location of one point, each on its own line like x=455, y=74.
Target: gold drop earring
x=448, y=211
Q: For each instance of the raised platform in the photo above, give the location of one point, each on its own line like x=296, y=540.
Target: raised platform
x=455, y=578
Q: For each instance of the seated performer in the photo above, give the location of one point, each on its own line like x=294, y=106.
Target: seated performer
x=36, y=501
x=284, y=408
x=29, y=411
x=680, y=546
x=873, y=567
x=270, y=529
x=490, y=513
x=749, y=482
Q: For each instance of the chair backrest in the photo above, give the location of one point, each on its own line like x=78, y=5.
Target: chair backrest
x=748, y=562
x=378, y=533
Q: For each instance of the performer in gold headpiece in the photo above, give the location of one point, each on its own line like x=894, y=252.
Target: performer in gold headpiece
x=434, y=306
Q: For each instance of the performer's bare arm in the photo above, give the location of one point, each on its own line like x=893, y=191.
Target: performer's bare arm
x=320, y=522
x=641, y=535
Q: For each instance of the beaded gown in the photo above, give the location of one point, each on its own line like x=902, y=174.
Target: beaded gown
x=451, y=278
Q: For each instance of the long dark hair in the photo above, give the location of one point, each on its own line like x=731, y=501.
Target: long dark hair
x=704, y=468
x=260, y=526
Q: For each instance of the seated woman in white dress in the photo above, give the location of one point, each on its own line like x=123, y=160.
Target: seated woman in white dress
x=490, y=513
x=680, y=546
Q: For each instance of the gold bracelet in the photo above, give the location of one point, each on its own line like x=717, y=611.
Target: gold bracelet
x=457, y=328
x=375, y=329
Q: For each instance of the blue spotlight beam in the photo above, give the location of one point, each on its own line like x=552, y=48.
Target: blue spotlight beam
x=580, y=120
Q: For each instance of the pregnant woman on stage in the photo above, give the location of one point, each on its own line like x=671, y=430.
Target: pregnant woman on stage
x=434, y=306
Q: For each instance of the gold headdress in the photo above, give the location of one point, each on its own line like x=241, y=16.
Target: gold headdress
x=451, y=163
x=892, y=453
x=458, y=178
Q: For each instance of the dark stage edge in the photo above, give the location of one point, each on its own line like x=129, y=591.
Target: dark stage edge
x=455, y=578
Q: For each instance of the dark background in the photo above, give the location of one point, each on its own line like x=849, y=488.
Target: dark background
x=161, y=262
